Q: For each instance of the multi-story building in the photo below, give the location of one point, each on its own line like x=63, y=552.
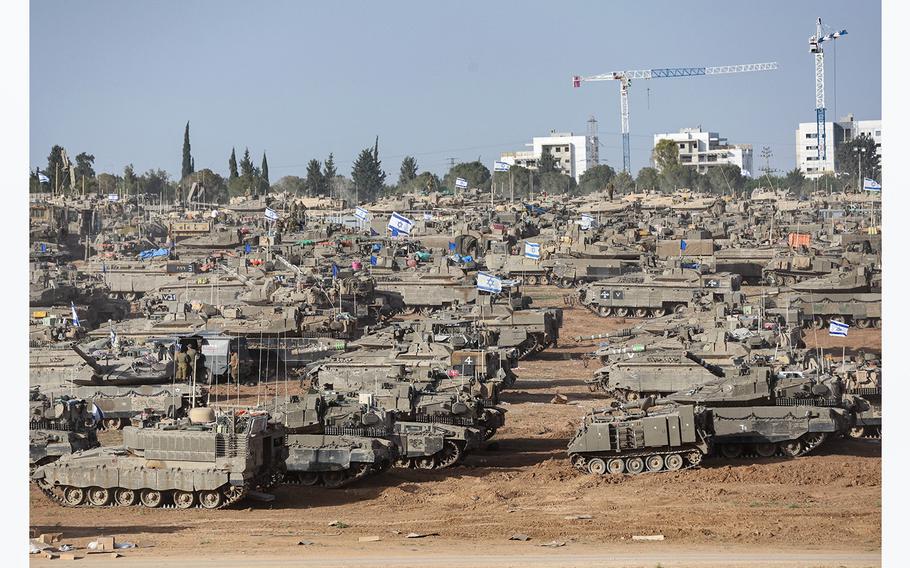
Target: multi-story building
x=573, y=154
x=702, y=150
x=836, y=133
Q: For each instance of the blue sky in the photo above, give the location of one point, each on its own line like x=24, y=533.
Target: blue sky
x=431, y=79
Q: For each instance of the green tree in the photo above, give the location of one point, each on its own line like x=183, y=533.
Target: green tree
x=188, y=165
x=547, y=163
x=520, y=182
x=108, y=183
x=725, y=179
x=315, y=179
x=595, y=179
x=475, y=173
x=60, y=179
x=129, y=180
x=555, y=183
x=675, y=176
x=665, y=154
x=85, y=166
x=848, y=155
x=367, y=174
x=623, y=182
x=328, y=168
x=408, y=170
x=246, y=165
x=648, y=178
x=216, y=188
x=264, y=175
x=232, y=165
x=293, y=185
x=155, y=182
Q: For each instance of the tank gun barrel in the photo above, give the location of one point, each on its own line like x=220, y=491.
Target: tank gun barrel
x=645, y=403
x=92, y=362
x=620, y=333
x=713, y=369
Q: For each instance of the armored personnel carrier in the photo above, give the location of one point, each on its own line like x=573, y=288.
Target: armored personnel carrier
x=750, y=412
x=646, y=295
x=788, y=270
x=57, y=428
x=333, y=441
x=209, y=461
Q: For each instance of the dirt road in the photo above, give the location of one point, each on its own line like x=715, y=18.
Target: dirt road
x=819, y=510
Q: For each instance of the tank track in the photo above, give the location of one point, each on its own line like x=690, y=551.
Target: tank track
x=580, y=462
x=808, y=443
x=55, y=493
x=867, y=433
x=356, y=472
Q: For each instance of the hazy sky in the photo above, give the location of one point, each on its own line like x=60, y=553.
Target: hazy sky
x=433, y=79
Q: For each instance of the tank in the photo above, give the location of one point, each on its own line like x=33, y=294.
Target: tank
x=334, y=443
x=788, y=270
x=743, y=413
x=58, y=427
x=174, y=463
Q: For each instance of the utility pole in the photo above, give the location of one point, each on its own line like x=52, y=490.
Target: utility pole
x=766, y=154
x=451, y=162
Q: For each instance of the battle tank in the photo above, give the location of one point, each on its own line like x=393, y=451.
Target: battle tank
x=332, y=442
x=210, y=462
x=865, y=379
x=59, y=427
x=744, y=413
x=788, y=270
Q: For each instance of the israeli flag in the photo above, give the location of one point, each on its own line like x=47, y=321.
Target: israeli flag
x=361, y=213
x=587, y=221
x=271, y=214
x=871, y=185
x=683, y=244
x=838, y=329
x=532, y=250
x=461, y=183
x=400, y=224
x=75, y=316
x=374, y=260
x=427, y=216
x=113, y=338
x=501, y=167
x=43, y=178
x=113, y=197
x=488, y=282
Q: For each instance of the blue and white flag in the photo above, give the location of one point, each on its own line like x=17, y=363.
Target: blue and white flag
x=532, y=250
x=400, y=224
x=43, y=178
x=871, y=185
x=113, y=197
x=361, y=213
x=334, y=271
x=75, y=316
x=374, y=260
x=270, y=214
x=838, y=329
x=587, y=221
x=113, y=338
x=683, y=244
x=501, y=167
x=488, y=282
x=427, y=216
x=461, y=183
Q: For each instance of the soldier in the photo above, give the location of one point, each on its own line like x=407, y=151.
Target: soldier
x=193, y=358
x=235, y=366
x=183, y=364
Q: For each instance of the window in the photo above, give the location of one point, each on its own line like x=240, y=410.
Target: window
x=815, y=135
x=878, y=132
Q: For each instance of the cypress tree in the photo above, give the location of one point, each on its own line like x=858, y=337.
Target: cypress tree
x=188, y=166
x=232, y=165
x=264, y=175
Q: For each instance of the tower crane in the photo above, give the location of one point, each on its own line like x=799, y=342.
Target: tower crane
x=625, y=81
x=815, y=46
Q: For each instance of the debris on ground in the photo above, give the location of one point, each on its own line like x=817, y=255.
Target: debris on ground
x=519, y=536
x=559, y=399
x=420, y=535
x=368, y=539
x=648, y=537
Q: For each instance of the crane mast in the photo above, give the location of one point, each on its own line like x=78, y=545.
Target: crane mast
x=625, y=81
x=815, y=46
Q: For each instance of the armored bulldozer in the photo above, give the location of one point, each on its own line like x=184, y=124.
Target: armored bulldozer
x=210, y=462
x=744, y=413
x=58, y=427
x=645, y=295
x=332, y=442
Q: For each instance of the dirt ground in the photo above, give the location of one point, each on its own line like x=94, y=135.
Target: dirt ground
x=819, y=510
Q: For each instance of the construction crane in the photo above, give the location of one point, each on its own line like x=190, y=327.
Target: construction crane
x=815, y=46
x=625, y=79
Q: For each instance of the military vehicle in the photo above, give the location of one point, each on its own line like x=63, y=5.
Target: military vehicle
x=749, y=412
x=788, y=270
x=210, y=461
x=332, y=442
x=120, y=404
x=58, y=427
x=426, y=292
x=864, y=379
x=569, y=272
x=643, y=294
x=817, y=311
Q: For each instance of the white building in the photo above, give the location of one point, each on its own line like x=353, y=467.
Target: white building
x=701, y=150
x=574, y=154
x=836, y=133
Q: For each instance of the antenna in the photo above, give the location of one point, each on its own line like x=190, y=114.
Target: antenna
x=592, y=142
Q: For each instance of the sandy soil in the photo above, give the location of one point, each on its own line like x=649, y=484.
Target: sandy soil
x=822, y=509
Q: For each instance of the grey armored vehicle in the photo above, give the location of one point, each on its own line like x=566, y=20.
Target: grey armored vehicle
x=333, y=441
x=57, y=428
x=752, y=412
x=212, y=461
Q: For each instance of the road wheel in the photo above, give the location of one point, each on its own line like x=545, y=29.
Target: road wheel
x=635, y=465
x=616, y=466
x=151, y=498
x=425, y=462
x=658, y=312
x=311, y=478
x=210, y=499
x=791, y=448
x=98, y=496
x=73, y=496
x=679, y=308
x=604, y=311
x=674, y=462
x=113, y=423
x=857, y=431
x=125, y=497
x=184, y=499
x=597, y=466
x=863, y=323
x=877, y=323
x=531, y=280
x=765, y=450
x=731, y=451
x=818, y=322
x=655, y=463
x=450, y=455
x=632, y=396
x=333, y=479
x=641, y=312
x=772, y=279
x=789, y=280
x=622, y=312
